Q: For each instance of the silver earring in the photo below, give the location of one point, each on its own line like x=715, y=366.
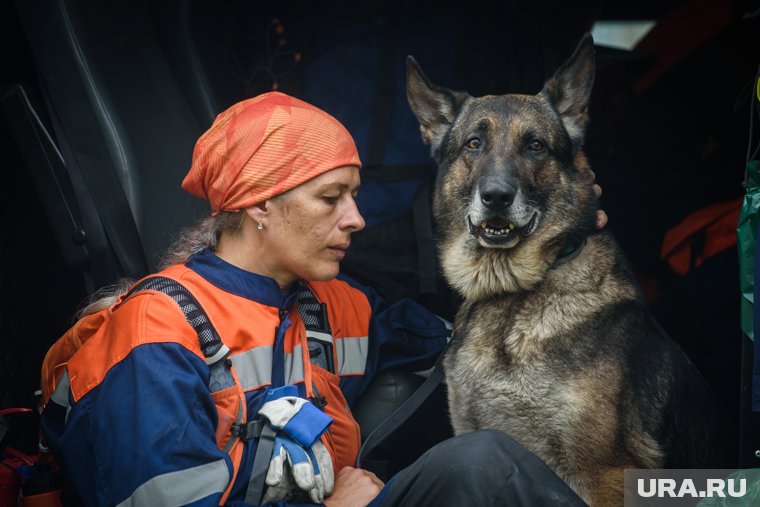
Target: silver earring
x=261, y=225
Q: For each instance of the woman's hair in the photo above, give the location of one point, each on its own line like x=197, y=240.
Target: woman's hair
x=191, y=240
x=103, y=297
x=204, y=234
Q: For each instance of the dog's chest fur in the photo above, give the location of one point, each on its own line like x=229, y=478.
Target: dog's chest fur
x=515, y=366
x=499, y=378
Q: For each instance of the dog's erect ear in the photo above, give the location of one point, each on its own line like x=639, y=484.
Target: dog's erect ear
x=434, y=106
x=569, y=90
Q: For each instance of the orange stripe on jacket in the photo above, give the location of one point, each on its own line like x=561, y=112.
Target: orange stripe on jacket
x=351, y=317
x=242, y=323
x=123, y=330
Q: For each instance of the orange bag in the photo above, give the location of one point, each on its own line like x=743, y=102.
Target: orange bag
x=701, y=235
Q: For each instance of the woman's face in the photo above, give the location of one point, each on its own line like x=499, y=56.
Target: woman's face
x=308, y=229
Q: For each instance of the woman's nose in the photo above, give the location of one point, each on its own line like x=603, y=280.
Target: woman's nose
x=353, y=220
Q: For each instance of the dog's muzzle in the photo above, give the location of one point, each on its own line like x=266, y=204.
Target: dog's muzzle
x=499, y=232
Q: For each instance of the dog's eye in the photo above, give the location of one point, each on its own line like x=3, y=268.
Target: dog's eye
x=536, y=145
x=473, y=143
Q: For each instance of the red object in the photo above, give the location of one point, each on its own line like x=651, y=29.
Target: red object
x=20, y=456
x=264, y=146
x=10, y=483
x=48, y=499
x=715, y=224
x=8, y=411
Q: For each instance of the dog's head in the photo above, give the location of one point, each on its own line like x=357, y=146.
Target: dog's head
x=513, y=188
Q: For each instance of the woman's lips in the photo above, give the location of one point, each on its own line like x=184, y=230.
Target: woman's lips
x=339, y=250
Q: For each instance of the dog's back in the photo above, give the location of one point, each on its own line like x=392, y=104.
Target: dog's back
x=553, y=343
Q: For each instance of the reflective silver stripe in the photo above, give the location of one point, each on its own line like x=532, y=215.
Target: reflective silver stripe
x=352, y=355
x=253, y=367
x=223, y=351
x=181, y=487
x=319, y=335
x=61, y=394
x=294, y=366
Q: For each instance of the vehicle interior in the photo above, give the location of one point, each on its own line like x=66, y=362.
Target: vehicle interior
x=102, y=103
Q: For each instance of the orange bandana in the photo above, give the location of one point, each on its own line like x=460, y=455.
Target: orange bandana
x=264, y=146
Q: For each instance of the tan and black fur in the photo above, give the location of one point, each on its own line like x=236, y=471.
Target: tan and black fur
x=552, y=343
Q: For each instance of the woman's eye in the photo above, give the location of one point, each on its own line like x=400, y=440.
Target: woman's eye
x=536, y=145
x=473, y=143
x=329, y=199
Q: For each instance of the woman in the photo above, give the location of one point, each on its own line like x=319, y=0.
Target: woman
x=227, y=377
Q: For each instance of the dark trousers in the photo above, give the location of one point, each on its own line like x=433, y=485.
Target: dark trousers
x=482, y=468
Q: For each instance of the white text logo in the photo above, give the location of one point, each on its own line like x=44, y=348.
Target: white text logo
x=670, y=488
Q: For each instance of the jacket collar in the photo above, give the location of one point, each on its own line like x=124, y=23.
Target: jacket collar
x=240, y=282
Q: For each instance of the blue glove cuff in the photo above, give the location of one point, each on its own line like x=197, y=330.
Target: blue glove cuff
x=307, y=425
x=281, y=392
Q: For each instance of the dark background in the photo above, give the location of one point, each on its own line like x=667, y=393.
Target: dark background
x=668, y=136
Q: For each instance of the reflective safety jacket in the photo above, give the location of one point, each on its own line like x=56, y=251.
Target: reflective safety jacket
x=144, y=428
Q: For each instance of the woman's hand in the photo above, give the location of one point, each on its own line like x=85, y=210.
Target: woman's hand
x=354, y=487
x=601, y=216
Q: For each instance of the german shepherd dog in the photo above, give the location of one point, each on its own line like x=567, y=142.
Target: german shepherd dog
x=553, y=343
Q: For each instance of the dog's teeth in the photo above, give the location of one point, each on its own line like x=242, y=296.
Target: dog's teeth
x=496, y=232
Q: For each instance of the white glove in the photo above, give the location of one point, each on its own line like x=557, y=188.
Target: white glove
x=293, y=470
x=300, y=461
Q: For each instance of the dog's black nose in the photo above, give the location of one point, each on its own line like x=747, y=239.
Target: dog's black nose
x=496, y=194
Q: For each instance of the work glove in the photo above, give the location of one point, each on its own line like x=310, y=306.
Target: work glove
x=299, y=459
x=294, y=469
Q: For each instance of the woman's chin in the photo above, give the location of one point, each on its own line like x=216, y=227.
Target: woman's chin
x=324, y=273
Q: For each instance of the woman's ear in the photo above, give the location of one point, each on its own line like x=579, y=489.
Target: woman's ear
x=258, y=212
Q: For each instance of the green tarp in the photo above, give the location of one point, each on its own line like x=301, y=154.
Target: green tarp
x=746, y=238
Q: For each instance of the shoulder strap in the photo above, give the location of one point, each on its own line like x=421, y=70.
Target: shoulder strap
x=404, y=412
x=211, y=344
x=318, y=332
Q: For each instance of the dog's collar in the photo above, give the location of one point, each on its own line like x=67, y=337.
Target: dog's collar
x=571, y=250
